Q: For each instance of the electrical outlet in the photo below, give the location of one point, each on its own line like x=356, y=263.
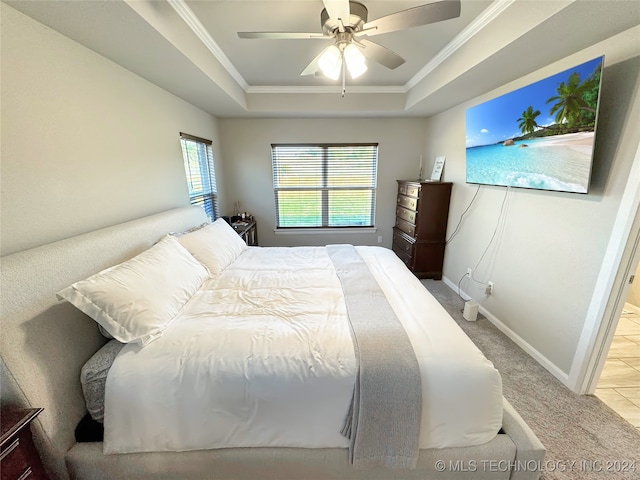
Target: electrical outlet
x=489, y=288
x=379, y=238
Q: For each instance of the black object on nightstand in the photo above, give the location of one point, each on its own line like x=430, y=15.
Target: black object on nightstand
x=19, y=458
x=247, y=229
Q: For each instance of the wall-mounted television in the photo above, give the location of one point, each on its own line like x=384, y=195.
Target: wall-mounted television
x=540, y=136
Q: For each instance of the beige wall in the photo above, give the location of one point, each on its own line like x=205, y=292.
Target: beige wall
x=548, y=250
x=634, y=291
x=85, y=143
x=247, y=154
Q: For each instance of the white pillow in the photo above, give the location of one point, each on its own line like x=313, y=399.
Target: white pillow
x=216, y=246
x=136, y=300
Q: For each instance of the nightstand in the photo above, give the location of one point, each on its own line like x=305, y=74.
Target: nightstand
x=249, y=232
x=19, y=458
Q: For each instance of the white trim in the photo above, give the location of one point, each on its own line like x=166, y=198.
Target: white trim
x=190, y=18
x=323, y=231
x=517, y=339
x=327, y=89
x=470, y=31
x=596, y=333
x=587, y=360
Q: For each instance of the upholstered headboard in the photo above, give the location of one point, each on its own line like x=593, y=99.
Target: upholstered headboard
x=46, y=342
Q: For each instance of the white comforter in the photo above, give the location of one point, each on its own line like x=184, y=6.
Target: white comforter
x=262, y=356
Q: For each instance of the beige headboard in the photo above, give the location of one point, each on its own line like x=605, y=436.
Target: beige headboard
x=46, y=342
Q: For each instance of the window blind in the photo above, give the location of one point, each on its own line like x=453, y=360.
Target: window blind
x=324, y=185
x=201, y=179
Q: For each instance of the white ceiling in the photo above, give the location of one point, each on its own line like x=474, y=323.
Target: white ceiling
x=280, y=62
x=190, y=48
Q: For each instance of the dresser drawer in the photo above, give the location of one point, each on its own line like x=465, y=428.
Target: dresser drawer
x=401, y=244
x=402, y=255
x=407, y=202
x=19, y=458
x=409, y=190
x=13, y=461
x=404, y=214
x=406, y=227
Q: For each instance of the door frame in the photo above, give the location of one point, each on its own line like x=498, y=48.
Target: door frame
x=612, y=286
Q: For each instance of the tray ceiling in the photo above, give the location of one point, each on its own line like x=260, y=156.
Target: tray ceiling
x=191, y=49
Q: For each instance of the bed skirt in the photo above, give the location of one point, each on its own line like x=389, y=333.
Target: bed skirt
x=515, y=454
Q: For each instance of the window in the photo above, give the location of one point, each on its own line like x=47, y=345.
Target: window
x=318, y=186
x=201, y=177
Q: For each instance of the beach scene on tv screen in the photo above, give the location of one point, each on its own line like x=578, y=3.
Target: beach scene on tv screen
x=540, y=136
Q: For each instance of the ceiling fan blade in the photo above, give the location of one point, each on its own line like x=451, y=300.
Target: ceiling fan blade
x=380, y=54
x=415, y=17
x=281, y=35
x=313, y=66
x=338, y=9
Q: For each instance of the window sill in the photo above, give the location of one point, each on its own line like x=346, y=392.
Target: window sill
x=321, y=231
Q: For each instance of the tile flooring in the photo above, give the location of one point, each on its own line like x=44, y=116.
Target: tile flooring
x=619, y=385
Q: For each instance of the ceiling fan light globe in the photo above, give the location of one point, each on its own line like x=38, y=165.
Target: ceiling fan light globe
x=356, y=63
x=330, y=62
x=353, y=54
x=333, y=74
x=356, y=70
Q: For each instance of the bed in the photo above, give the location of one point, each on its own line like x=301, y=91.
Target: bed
x=46, y=342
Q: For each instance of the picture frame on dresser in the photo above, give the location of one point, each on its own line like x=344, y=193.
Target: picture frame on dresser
x=419, y=234
x=438, y=166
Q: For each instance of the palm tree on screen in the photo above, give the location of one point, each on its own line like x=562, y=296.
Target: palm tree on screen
x=527, y=122
x=570, y=100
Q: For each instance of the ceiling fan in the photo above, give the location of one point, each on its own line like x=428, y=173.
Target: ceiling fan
x=345, y=22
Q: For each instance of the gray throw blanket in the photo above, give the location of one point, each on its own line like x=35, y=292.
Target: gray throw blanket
x=383, y=422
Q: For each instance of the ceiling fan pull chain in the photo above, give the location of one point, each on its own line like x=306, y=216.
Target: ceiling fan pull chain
x=344, y=75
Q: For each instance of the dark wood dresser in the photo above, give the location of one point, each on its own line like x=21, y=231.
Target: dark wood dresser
x=19, y=459
x=419, y=235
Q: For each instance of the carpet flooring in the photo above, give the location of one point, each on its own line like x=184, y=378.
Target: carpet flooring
x=584, y=438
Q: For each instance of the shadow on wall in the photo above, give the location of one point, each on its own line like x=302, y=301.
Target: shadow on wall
x=618, y=84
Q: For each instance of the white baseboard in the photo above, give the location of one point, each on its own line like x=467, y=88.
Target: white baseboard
x=454, y=287
x=517, y=339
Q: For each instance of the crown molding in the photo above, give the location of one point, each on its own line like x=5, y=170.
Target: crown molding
x=471, y=30
x=192, y=21
x=355, y=89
